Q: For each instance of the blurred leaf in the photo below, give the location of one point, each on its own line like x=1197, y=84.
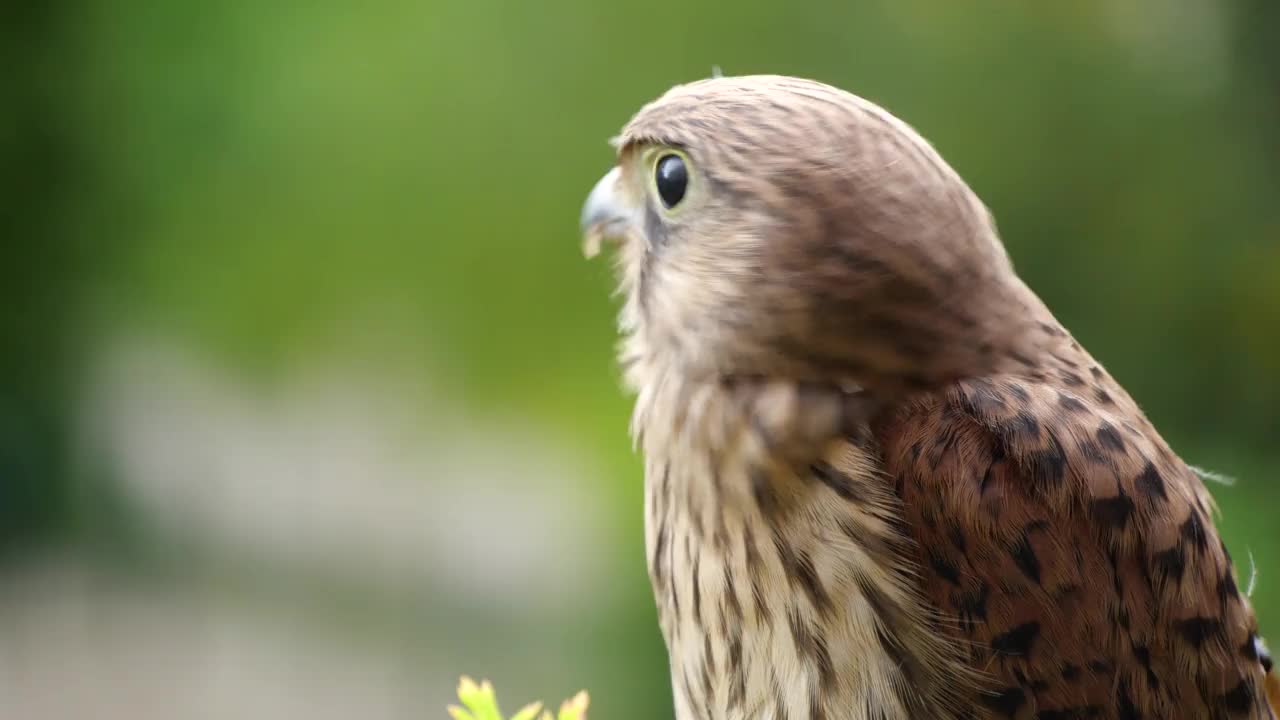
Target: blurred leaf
x=482, y=704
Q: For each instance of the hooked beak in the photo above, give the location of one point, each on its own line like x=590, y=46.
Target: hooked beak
x=606, y=214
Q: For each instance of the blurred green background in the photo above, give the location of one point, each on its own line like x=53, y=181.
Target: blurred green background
x=307, y=399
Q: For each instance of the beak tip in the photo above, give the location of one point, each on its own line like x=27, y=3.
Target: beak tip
x=600, y=207
x=592, y=239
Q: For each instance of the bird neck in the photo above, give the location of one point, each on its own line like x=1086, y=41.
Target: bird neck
x=781, y=578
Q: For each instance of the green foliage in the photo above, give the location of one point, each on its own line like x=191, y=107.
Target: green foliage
x=482, y=704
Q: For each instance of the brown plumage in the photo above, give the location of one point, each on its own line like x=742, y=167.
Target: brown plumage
x=882, y=481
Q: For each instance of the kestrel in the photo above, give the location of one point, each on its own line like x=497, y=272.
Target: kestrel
x=882, y=481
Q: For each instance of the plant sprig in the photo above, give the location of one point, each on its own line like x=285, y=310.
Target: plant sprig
x=481, y=703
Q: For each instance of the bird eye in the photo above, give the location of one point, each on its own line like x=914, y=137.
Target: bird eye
x=672, y=178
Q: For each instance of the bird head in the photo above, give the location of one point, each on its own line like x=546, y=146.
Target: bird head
x=779, y=227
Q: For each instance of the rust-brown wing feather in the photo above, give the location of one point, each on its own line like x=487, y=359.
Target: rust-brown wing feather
x=1073, y=552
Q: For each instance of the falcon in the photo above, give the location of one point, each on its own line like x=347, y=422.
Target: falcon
x=882, y=481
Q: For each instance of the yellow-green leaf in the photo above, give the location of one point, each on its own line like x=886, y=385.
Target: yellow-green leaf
x=458, y=713
x=528, y=712
x=575, y=708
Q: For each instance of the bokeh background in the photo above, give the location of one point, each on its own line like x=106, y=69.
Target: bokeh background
x=307, y=402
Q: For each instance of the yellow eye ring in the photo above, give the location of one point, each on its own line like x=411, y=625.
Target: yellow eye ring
x=671, y=177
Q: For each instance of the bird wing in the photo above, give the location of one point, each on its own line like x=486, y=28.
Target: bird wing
x=1072, y=552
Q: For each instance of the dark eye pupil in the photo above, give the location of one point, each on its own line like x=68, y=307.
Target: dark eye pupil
x=673, y=179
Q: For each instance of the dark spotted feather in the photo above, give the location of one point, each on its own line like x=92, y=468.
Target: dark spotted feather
x=1074, y=552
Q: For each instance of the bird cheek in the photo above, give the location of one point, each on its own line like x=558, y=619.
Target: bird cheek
x=656, y=232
